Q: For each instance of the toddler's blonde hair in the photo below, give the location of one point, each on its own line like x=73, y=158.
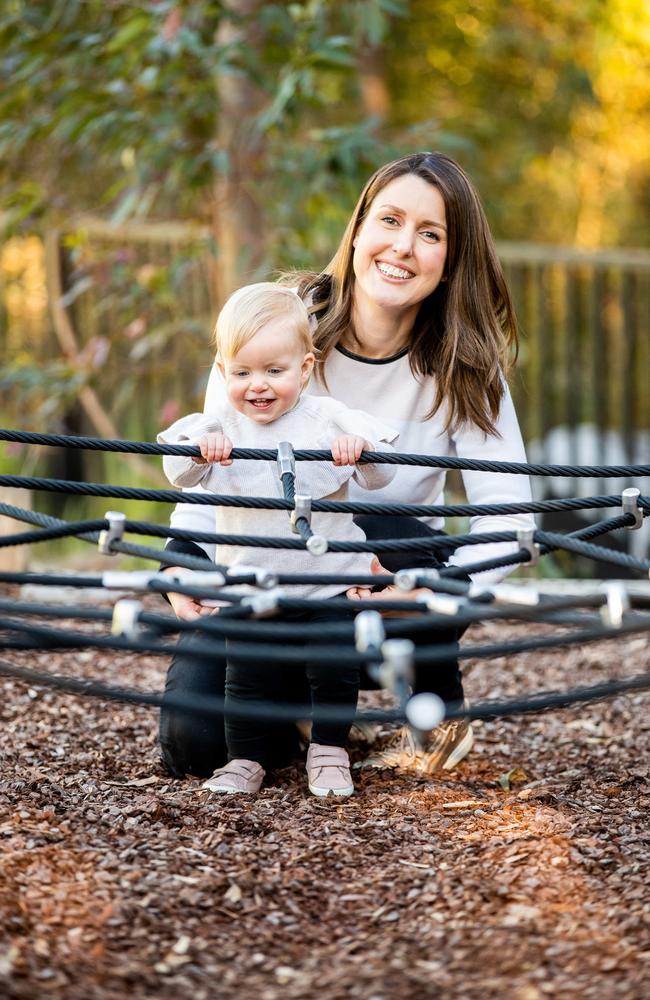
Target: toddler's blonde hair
x=252, y=307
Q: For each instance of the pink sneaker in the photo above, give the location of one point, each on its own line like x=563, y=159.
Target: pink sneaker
x=236, y=776
x=328, y=771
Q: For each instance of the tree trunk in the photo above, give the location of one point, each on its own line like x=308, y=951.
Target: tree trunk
x=238, y=210
x=375, y=95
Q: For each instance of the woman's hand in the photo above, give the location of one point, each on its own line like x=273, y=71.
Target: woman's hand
x=215, y=447
x=389, y=593
x=185, y=607
x=347, y=449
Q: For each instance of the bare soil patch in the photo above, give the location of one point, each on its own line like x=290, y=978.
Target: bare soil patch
x=117, y=880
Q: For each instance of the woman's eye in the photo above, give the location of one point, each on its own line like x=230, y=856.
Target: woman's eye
x=430, y=235
x=390, y=220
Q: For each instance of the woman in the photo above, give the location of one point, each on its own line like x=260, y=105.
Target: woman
x=413, y=320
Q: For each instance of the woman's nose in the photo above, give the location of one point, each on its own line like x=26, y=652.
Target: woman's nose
x=403, y=243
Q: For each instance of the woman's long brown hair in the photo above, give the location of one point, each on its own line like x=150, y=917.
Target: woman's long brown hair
x=465, y=333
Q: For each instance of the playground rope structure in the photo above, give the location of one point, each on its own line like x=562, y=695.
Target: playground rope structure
x=384, y=645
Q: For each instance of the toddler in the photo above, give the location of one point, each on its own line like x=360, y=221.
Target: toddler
x=265, y=357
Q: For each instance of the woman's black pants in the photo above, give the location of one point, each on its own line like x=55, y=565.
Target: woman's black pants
x=192, y=744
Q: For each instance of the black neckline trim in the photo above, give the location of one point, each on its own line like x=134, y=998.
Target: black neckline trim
x=372, y=361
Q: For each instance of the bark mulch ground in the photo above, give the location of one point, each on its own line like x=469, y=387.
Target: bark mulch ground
x=522, y=874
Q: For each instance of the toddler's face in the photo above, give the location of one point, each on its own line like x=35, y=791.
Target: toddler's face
x=265, y=378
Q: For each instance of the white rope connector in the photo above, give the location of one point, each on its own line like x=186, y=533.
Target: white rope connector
x=317, y=545
x=286, y=460
x=369, y=632
x=263, y=605
x=264, y=578
x=200, y=577
x=301, y=509
x=618, y=602
x=409, y=579
x=442, y=604
x=526, y=540
x=630, y=504
x=424, y=712
x=508, y=593
x=114, y=532
x=396, y=672
x=126, y=619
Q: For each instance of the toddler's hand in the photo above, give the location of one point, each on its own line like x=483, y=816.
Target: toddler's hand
x=347, y=449
x=215, y=447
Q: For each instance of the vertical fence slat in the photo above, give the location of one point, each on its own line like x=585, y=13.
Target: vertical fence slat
x=630, y=362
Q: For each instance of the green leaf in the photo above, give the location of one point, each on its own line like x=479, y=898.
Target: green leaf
x=138, y=27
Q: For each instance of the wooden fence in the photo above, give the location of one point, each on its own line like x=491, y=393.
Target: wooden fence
x=143, y=292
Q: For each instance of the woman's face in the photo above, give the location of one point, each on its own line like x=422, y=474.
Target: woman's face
x=401, y=247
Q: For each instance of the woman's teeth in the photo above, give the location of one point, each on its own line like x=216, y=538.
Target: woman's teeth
x=394, y=272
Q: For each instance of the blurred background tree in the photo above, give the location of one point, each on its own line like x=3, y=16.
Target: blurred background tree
x=268, y=116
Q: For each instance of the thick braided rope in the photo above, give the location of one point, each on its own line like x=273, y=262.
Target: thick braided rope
x=211, y=707
x=275, y=503
x=307, y=455
x=549, y=541
x=41, y=637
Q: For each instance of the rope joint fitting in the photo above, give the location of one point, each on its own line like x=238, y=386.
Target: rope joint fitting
x=369, y=632
x=286, y=460
x=114, y=532
x=126, y=619
x=301, y=509
x=630, y=504
x=526, y=541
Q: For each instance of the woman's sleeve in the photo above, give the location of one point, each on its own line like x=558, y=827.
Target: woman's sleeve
x=194, y=517
x=493, y=487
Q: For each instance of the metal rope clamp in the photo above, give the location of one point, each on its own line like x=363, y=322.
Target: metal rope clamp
x=396, y=672
x=286, y=460
x=263, y=605
x=369, y=632
x=126, y=619
x=617, y=603
x=301, y=509
x=526, y=540
x=409, y=579
x=630, y=503
x=114, y=532
x=316, y=544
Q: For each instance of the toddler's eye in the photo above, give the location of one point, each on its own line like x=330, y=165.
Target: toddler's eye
x=275, y=371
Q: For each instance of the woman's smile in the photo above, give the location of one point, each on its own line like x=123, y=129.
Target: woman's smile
x=393, y=271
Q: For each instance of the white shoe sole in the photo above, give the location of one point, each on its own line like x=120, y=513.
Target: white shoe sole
x=323, y=793
x=224, y=790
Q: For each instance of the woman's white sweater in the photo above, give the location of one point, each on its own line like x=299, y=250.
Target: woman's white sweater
x=388, y=390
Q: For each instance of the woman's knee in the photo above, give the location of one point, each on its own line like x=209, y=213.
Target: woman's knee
x=190, y=746
x=191, y=743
